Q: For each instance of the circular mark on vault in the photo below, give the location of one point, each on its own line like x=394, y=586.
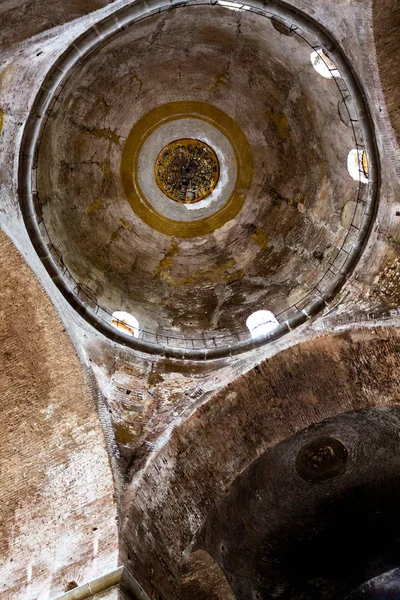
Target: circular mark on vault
x=321, y=459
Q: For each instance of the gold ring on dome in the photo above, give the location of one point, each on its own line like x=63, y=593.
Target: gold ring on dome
x=187, y=170
x=129, y=168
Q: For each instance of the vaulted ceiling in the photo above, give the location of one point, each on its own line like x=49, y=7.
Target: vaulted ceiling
x=184, y=454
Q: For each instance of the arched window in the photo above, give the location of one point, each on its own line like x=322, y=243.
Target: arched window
x=357, y=165
x=233, y=5
x=126, y=323
x=261, y=322
x=323, y=64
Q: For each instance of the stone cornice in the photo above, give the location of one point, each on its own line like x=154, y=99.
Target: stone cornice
x=120, y=579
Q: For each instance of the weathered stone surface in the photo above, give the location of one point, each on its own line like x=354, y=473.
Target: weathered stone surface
x=202, y=578
x=277, y=535
x=296, y=388
x=24, y=19
x=57, y=459
x=279, y=246
x=58, y=516
x=386, y=28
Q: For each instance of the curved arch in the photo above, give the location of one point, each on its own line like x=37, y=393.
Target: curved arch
x=57, y=493
x=252, y=414
x=278, y=534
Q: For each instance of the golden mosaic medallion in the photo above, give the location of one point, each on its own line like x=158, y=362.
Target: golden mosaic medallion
x=187, y=170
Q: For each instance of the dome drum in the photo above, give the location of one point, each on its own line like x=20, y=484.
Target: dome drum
x=232, y=194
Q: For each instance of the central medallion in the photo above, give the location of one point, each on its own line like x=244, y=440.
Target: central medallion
x=187, y=170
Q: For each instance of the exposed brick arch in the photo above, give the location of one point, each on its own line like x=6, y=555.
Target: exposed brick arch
x=58, y=516
x=296, y=388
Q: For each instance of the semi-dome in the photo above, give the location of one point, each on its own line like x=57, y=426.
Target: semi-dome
x=193, y=169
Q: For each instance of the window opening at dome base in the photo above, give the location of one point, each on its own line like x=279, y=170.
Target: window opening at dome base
x=126, y=323
x=357, y=165
x=261, y=323
x=187, y=170
x=323, y=64
x=233, y=5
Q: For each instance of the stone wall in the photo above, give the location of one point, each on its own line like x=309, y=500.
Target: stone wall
x=386, y=14
x=58, y=513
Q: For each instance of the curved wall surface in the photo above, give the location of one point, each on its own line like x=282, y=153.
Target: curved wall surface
x=249, y=266
x=57, y=501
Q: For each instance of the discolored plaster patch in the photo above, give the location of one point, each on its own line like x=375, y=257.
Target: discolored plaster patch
x=106, y=166
x=128, y=434
x=163, y=269
x=101, y=134
x=114, y=237
x=278, y=198
x=386, y=289
x=94, y=207
x=220, y=80
x=124, y=226
x=154, y=378
x=213, y=274
x=348, y=213
x=106, y=106
x=139, y=82
x=260, y=238
x=281, y=122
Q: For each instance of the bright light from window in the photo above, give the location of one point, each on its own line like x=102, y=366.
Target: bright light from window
x=357, y=165
x=126, y=323
x=233, y=5
x=261, y=322
x=323, y=64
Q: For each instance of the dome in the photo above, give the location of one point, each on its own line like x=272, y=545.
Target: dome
x=192, y=175
x=200, y=300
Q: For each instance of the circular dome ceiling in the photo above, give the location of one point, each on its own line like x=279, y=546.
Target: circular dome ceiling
x=192, y=170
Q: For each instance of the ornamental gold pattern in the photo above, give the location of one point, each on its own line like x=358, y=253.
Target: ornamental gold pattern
x=167, y=113
x=187, y=170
